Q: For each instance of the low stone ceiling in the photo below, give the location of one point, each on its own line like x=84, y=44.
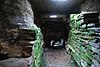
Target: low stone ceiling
x=61, y=7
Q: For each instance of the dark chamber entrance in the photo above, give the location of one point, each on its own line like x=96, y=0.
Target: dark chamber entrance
x=55, y=32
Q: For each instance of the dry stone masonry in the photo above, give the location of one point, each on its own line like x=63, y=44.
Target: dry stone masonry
x=15, y=15
x=84, y=39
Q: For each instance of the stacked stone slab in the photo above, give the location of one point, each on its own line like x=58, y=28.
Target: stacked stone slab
x=84, y=39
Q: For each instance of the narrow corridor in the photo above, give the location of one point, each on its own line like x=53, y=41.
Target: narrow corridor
x=49, y=33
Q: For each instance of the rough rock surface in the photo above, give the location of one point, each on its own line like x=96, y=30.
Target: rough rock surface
x=91, y=5
x=16, y=12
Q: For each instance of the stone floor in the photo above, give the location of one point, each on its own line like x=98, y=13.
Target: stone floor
x=57, y=57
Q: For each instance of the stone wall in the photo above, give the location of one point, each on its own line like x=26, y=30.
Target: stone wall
x=14, y=14
x=91, y=5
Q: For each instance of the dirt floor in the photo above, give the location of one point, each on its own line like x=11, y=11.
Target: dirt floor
x=57, y=57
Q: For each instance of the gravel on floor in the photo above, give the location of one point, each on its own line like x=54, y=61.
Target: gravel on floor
x=56, y=57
